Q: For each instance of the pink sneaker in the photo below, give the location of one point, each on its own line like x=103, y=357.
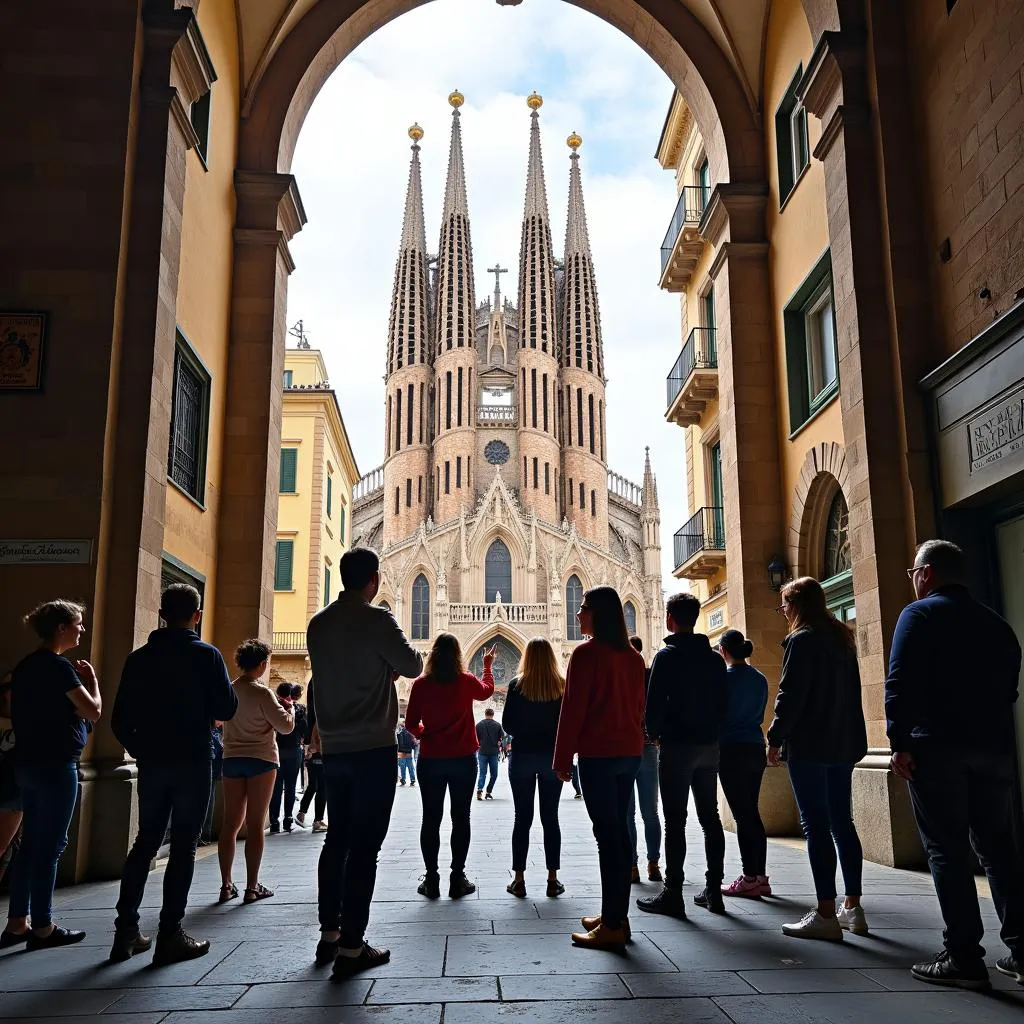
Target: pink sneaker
x=751, y=888
x=766, y=889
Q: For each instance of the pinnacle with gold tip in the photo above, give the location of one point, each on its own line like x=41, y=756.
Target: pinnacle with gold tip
x=574, y=141
x=535, y=101
x=456, y=99
x=415, y=133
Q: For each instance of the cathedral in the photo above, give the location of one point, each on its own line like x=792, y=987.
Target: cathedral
x=495, y=509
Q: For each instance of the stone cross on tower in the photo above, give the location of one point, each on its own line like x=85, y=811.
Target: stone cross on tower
x=497, y=270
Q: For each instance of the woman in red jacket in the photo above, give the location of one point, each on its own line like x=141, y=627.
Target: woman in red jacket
x=602, y=721
x=440, y=715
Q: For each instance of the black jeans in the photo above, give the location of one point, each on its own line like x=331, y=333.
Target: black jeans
x=961, y=799
x=740, y=769
x=315, y=787
x=284, y=785
x=527, y=774
x=607, y=786
x=457, y=775
x=360, y=794
x=178, y=794
x=682, y=767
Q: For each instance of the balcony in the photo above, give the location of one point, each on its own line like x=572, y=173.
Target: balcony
x=683, y=245
x=700, y=545
x=693, y=381
x=289, y=643
x=481, y=613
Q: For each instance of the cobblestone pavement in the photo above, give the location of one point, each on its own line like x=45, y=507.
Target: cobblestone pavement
x=491, y=957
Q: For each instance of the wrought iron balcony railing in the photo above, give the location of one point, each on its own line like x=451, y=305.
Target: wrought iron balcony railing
x=689, y=209
x=699, y=353
x=704, y=531
x=292, y=642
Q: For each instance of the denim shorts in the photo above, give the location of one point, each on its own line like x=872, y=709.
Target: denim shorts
x=246, y=767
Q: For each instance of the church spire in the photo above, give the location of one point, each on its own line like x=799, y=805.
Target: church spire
x=455, y=201
x=582, y=315
x=649, y=492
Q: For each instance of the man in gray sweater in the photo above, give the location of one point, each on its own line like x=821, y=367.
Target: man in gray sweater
x=356, y=651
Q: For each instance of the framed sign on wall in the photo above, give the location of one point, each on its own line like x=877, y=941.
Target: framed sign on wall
x=22, y=336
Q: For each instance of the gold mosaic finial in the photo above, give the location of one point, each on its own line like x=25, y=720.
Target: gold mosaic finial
x=456, y=99
x=574, y=141
x=535, y=101
x=415, y=133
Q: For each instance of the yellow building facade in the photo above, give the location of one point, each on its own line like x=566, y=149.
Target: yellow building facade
x=314, y=511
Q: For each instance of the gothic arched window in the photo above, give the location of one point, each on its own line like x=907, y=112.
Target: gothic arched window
x=629, y=611
x=420, y=608
x=573, y=600
x=836, y=547
x=498, y=573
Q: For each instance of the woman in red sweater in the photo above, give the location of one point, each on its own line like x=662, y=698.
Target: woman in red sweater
x=440, y=715
x=602, y=721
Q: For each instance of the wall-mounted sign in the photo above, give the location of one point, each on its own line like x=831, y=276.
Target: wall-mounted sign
x=716, y=620
x=45, y=552
x=997, y=433
x=21, y=351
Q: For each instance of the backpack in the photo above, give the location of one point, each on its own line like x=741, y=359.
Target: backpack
x=406, y=742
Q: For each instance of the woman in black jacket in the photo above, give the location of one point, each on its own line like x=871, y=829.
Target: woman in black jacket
x=532, y=706
x=819, y=730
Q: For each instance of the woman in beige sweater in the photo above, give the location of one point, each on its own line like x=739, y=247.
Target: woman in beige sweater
x=250, y=768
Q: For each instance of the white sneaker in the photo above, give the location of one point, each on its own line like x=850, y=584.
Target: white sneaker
x=813, y=926
x=852, y=919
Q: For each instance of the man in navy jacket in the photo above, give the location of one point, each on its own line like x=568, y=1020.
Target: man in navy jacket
x=172, y=690
x=949, y=696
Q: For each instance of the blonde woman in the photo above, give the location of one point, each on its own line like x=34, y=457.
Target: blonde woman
x=251, y=762
x=532, y=707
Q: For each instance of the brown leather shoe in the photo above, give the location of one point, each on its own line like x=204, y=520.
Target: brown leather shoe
x=634, y=875
x=590, y=923
x=654, y=871
x=601, y=938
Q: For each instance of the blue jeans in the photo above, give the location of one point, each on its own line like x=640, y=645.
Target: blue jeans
x=49, y=792
x=647, y=788
x=407, y=767
x=528, y=774
x=178, y=795
x=486, y=761
x=824, y=800
x=607, y=785
x=360, y=795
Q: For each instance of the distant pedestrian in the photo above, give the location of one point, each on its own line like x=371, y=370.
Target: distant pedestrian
x=53, y=703
x=949, y=700
x=742, y=762
x=532, y=707
x=357, y=650
x=819, y=730
x=489, y=734
x=602, y=721
x=290, y=753
x=440, y=715
x=575, y=780
x=316, y=788
x=172, y=690
x=216, y=774
x=406, y=754
x=250, y=769
x=685, y=707
x=647, y=790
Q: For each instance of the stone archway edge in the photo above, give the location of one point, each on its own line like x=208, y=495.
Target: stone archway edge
x=825, y=458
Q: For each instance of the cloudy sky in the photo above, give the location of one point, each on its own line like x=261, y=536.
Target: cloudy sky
x=352, y=163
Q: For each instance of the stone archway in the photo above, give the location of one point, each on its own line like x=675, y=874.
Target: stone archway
x=824, y=470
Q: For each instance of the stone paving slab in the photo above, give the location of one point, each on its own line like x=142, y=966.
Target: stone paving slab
x=300, y=994
x=662, y=1011
x=526, y=987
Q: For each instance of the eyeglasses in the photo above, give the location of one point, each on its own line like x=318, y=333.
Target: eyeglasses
x=781, y=610
x=917, y=568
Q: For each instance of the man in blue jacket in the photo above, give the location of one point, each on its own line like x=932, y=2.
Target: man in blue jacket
x=949, y=696
x=172, y=690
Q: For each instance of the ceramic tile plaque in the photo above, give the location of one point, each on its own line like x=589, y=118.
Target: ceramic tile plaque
x=21, y=351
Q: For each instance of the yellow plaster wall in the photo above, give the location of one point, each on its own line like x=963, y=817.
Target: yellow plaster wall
x=204, y=290
x=798, y=234
x=298, y=430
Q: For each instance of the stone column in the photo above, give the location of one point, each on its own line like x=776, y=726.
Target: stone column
x=269, y=214
x=755, y=519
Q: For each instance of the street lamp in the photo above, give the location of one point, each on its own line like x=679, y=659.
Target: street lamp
x=776, y=573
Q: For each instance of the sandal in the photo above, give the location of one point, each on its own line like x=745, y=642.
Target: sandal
x=555, y=888
x=259, y=892
x=228, y=891
x=517, y=889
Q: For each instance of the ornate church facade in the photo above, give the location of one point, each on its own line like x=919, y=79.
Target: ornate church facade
x=494, y=509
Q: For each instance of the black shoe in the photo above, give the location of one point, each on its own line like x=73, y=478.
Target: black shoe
x=9, y=939
x=275, y=829
x=178, y=946
x=710, y=898
x=128, y=944
x=346, y=966
x=58, y=937
x=430, y=886
x=288, y=827
x=413, y=784
x=460, y=885
x=1012, y=968
x=667, y=902
x=326, y=951
x=941, y=970
x=487, y=795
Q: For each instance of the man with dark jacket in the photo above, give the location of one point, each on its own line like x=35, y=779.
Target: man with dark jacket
x=489, y=735
x=953, y=680
x=172, y=690
x=685, y=706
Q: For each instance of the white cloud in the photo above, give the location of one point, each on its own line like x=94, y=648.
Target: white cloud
x=352, y=160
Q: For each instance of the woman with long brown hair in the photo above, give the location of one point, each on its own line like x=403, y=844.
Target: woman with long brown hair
x=819, y=730
x=602, y=721
x=440, y=715
x=532, y=706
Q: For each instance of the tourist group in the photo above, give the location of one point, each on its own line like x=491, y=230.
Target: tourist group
x=691, y=720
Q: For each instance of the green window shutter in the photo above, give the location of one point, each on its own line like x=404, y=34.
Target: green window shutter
x=285, y=556
x=341, y=529
x=287, y=380
x=327, y=585
x=289, y=469
x=330, y=482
